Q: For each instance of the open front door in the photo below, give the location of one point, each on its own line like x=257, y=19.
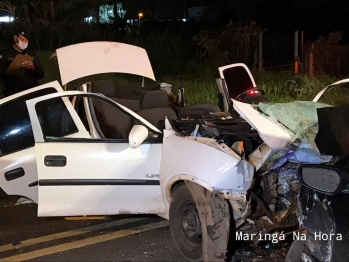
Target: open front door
x=78, y=175
x=234, y=80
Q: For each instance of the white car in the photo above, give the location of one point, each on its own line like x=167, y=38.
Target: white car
x=197, y=182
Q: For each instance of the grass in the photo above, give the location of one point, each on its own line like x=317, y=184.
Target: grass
x=280, y=87
x=286, y=87
x=200, y=85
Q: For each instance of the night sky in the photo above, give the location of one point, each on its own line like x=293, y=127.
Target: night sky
x=315, y=17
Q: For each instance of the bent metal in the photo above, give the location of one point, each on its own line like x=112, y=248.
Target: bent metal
x=200, y=180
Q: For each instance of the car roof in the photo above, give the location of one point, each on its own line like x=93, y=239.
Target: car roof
x=53, y=84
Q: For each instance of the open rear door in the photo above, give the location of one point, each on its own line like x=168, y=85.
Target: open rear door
x=18, y=169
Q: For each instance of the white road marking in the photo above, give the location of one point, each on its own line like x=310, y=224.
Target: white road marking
x=84, y=242
x=70, y=233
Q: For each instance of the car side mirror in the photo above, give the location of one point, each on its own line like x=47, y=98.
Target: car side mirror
x=321, y=178
x=137, y=135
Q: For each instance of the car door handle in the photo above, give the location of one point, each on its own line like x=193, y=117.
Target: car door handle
x=14, y=174
x=55, y=161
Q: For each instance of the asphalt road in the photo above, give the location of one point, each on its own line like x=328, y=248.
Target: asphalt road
x=25, y=237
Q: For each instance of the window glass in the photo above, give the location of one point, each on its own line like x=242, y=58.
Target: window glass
x=237, y=80
x=113, y=122
x=15, y=128
x=54, y=118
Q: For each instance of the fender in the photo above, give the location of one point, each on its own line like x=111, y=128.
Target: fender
x=186, y=178
x=207, y=166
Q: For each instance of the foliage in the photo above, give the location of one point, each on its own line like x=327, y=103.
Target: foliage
x=280, y=87
x=284, y=86
x=53, y=22
x=233, y=42
x=330, y=58
x=63, y=26
x=48, y=13
x=200, y=86
x=332, y=39
x=176, y=57
x=167, y=52
x=8, y=7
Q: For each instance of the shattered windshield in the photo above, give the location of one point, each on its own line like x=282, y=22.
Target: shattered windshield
x=300, y=117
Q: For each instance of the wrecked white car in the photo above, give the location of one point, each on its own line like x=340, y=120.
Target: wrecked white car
x=209, y=176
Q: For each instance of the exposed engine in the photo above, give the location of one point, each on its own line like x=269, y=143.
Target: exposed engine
x=272, y=197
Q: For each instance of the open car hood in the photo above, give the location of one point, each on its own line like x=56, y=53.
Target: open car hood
x=273, y=135
x=90, y=58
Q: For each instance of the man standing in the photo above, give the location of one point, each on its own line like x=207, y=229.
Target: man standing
x=15, y=82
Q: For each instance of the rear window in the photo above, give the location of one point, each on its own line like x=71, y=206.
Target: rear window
x=15, y=127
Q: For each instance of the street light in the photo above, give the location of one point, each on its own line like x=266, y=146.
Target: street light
x=140, y=15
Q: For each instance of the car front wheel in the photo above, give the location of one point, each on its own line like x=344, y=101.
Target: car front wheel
x=200, y=223
x=185, y=224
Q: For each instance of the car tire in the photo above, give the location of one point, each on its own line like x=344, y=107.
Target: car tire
x=185, y=224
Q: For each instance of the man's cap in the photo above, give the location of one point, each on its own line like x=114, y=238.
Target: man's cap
x=23, y=31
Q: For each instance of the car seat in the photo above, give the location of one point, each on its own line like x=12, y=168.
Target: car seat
x=154, y=108
x=113, y=122
x=197, y=111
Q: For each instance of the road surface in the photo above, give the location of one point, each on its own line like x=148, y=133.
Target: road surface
x=25, y=237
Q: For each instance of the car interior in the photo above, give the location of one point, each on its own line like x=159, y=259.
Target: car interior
x=154, y=106
x=116, y=124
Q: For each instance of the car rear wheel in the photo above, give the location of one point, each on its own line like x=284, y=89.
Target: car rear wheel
x=185, y=224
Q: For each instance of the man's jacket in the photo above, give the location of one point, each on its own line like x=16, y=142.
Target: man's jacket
x=17, y=83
